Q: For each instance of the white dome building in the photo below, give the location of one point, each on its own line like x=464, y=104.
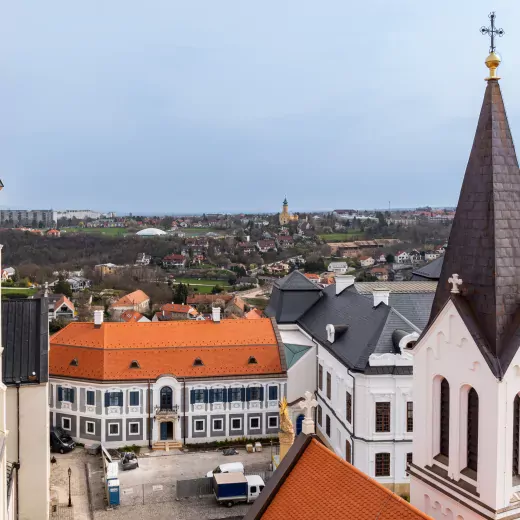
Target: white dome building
x=151, y=232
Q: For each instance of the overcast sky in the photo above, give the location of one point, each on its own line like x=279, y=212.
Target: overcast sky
x=188, y=106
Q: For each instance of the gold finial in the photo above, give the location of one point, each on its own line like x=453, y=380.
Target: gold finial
x=493, y=60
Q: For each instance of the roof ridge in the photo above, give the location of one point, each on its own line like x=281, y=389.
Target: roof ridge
x=391, y=494
x=406, y=320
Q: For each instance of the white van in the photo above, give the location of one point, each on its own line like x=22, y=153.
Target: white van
x=230, y=467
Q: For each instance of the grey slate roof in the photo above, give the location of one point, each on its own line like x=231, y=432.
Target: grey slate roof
x=296, y=281
x=25, y=338
x=483, y=248
x=431, y=271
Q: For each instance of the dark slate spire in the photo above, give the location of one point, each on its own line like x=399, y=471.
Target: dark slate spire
x=484, y=245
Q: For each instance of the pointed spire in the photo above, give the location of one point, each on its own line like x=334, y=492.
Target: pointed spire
x=484, y=245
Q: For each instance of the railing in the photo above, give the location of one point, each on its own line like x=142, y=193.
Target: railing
x=166, y=410
x=11, y=466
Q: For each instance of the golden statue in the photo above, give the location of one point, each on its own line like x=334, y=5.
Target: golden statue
x=286, y=434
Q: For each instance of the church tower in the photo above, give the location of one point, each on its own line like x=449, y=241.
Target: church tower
x=466, y=458
x=285, y=218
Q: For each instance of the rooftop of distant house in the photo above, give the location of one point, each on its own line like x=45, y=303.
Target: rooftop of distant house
x=134, y=298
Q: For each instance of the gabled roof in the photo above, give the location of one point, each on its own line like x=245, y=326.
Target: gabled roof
x=312, y=483
x=105, y=353
x=295, y=281
x=129, y=300
x=294, y=352
x=178, y=308
x=483, y=247
x=128, y=316
x=25, y=339
x=431, y=271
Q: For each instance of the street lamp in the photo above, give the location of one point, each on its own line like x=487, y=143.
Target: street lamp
x=70, y=498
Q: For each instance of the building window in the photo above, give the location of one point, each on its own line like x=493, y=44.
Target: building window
x=114, y=399
x=348, y=451
x=272, y=421
x=254, y=423
x=199, y=425
x=91, y=397
x=409, y=458
x=382, y=417
x=320, y=377
x=409, y=416
x=66, y=423
x=198, y=396
x=445, y=419
x=329, y=385
x=66, y=394
x=218, y=395
x=382, y=464
x=90, y=426
x=133, y=428
x=327, y=425
x=254, y=393
x=472, y=430
x=516, y=437
x=236, y=423
x=113, y=429
x=349, y=407
x=273, y=393
x=319, y=415
x=134, y=398
x=218, y=425
x=236, y=394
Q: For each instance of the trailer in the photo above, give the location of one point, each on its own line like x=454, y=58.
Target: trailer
x=235, y=488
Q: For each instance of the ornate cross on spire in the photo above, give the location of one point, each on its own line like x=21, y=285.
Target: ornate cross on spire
x=455, y=282
x=492, y=31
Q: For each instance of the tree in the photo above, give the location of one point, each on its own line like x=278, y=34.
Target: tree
x=390, y=258
x=217, y=289
x=365, y=276
x=63, y=287
x=180, y=293
x=56, y=325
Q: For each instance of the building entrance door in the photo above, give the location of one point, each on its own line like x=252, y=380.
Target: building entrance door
x=166, y=431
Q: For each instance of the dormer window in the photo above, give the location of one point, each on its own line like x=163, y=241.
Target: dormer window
x=198, y=363
x=74, y=362
x=252, y=361
x=135, y=364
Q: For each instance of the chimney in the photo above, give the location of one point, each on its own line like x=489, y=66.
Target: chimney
x=163, y=313
x=98, y=319
x=381, y=296
x=215, y=313
x=343, y=281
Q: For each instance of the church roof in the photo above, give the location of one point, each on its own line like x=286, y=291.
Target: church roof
x=296, y=281
x=431, y=271
x=484, y=247
x=312, y=482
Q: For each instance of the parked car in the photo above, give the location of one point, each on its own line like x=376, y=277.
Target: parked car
x=234, y=488
x=230, y=467
x=61, y=441
x=129, y=461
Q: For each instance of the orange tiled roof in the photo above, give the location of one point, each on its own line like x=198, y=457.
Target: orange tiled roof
x=133, y=316
x=208, y=298
x=238, y=302
x=322, y=484
x=312, y=276
x=178, y=307
x=254, y=314
x=105, y=353
x=134, y=298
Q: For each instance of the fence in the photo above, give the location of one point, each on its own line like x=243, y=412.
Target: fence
x=147, y=494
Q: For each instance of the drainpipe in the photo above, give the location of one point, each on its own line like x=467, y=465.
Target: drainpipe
x=184, y=411
x=353, y=411
x=149, y=418
x=17, y=447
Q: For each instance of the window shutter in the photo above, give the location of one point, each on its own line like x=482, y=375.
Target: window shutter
x=212, y=396
x=261, y=393
x=205, y=396
x=60, y=393
x=72, y=395
x=227, y=393
x=107, y=399
x=120, y=399
x=242, y=394
x=248, y=394
x=192, y=396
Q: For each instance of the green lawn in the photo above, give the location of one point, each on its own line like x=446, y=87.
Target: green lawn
x=340, y=237
x=109, y=232
x=19, y=291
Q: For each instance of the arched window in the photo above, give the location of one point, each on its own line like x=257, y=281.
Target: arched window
x=444, y=445
x=472, y=430
x=166, y=398
x=348, y=451
x=516, y=436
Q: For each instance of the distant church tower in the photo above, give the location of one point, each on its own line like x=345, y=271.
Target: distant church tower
x=466, y=453
x=284, y=216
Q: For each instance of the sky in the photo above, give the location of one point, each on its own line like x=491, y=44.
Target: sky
x=169, y=106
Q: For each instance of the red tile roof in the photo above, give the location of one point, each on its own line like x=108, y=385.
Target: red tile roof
x=321, y=484
x=105, y=353
x=129, y=300
x=312, y=276
x=254, y=314
x=129, y=316
x=178, y=307
x=197, y=299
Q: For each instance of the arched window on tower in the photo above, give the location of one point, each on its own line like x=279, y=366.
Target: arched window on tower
x=444, y=445
x=516, y=440
x=472, y=444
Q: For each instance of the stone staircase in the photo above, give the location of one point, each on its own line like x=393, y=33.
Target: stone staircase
x=166, y=445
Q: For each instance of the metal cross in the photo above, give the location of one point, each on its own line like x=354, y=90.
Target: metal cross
x=455, y=282
x=492, y=31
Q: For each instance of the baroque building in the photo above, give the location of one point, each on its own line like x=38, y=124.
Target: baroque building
x=285, y=217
